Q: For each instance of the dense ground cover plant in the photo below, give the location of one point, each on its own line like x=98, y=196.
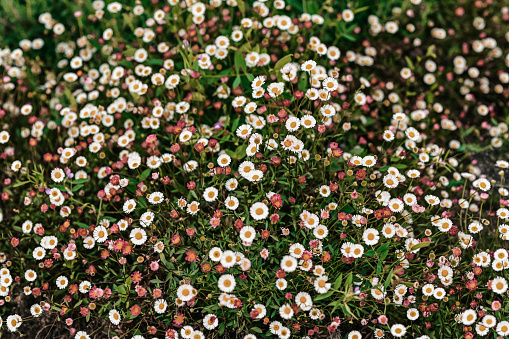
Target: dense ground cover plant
x=254, y=169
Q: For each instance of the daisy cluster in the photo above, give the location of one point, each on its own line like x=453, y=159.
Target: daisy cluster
x=187, y=169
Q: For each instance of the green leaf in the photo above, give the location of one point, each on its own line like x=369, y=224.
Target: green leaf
x=242, y=7
x=464, y=133
x=431, y=51
x=349, y=280
x=409, y=63
x=198, y=96
x=143, y=202
x=81, y=225
x=420, y=245
x=245, y=48
x=95, y=43
x=383, y=251
x=154, y=62
x=336, y=304
x=338, y=281
x=236, y=82
x=256, y=329
x=382, y=248
x=79, y=181
x=303, y=82
x=473, y=148
x=349, y=37
x=240, y=152
x=77, y=187
x=20, y=183
x=324, y=296
x=388, y=280
x=282, y=62
x=221, y=330
x=240, y=62
x=347, y=209
x=235, y=124
x=130, y=52
x=369, y=253
x=128, y=282
x=144, y=175
x=360, y=9
x=70, y=97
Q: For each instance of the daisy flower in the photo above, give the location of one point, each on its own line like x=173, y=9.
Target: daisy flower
x=412, y=134
x=215, y=254
x=281, y=284
x=210, y=194
x=186, y=292
x=390, y=181
x=469, y=317
x=81, y=335
x=224, y=160
x=398, y=330
x=231, y=184
x=502, y=328
x=138, y=236
x=228, y=259
x=243, y=131
x=129, y=206
x=428, y=289
x=304, y=301
x=160, y=306
x=284, y=333
x=499, y=285
x=247, y=234
x=292, y=124
x=396, y=205
x=210, y=321
x=114, y=317
x=259, y=211
x=193, y=207
x=62, y=282
x=321, y=284
x=378, y=293
x=370, y=236
x=308, y=121
x=231, y=203
x=369, y=161
x=489, y=321
x=13, y=322
x=288, y=263
x=354, y=335
x=36, y=310
x=226, y=283
x=57, y=175
x=155, y=198
x=308, y=66
x=320, y=232
x=147, y=218
x=286, y=311
x=439, y=293
x=30, y=275
x=39, y=253
x=100, y=234
x=296, y=250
